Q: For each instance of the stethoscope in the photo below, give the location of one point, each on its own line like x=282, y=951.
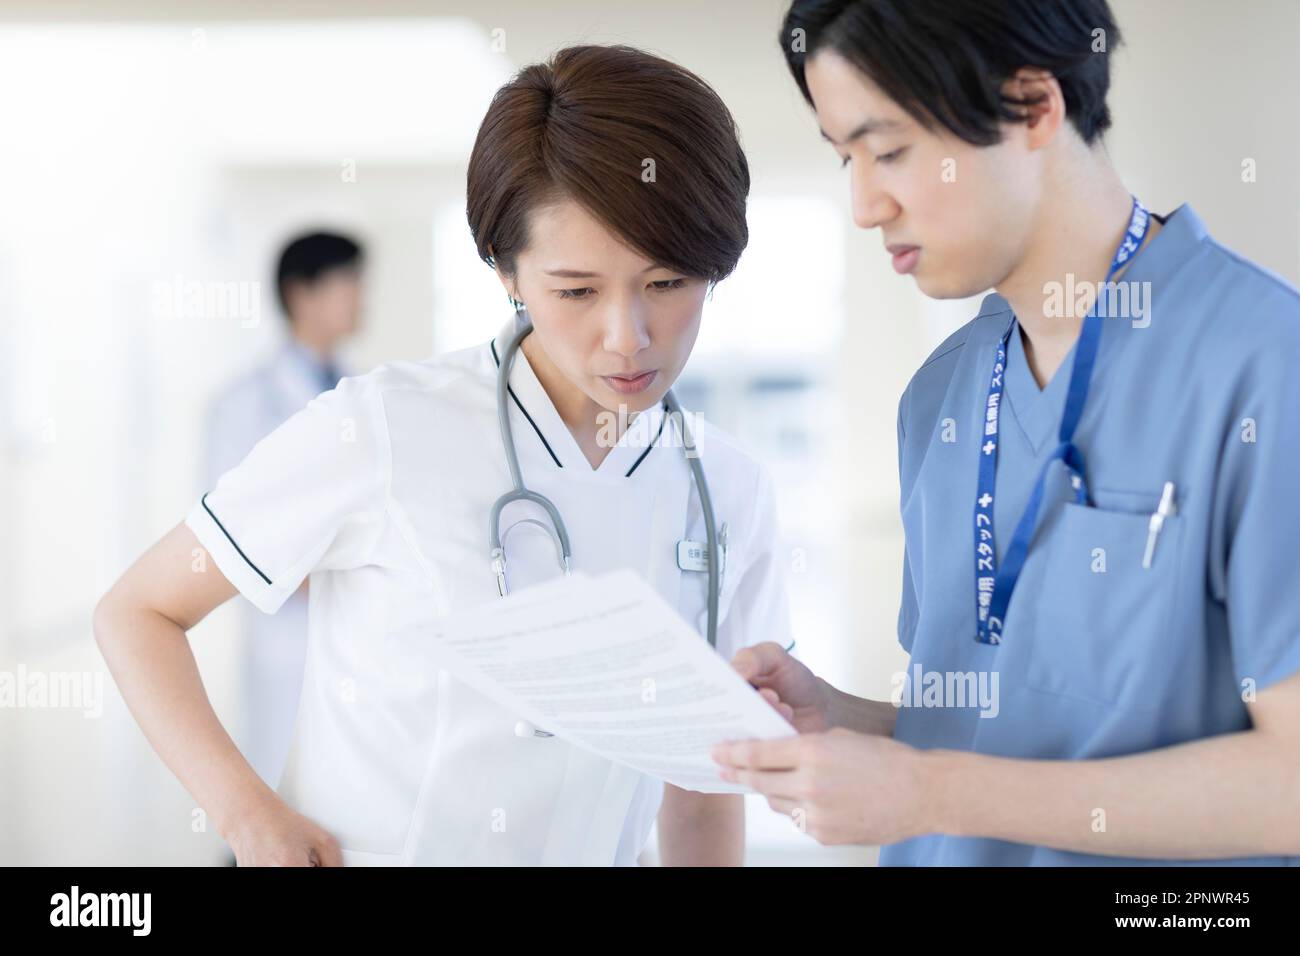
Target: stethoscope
x=563, y=552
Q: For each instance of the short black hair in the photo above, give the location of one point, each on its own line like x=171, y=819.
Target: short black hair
x=308, y=256
x=577, y=126
x=947, y=60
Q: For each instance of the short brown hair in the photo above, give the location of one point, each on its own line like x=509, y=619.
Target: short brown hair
x=580, y=127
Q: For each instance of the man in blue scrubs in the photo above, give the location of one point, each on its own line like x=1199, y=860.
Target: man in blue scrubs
x=1112, y=676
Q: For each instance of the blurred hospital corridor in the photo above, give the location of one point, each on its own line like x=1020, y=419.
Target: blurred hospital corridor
x=157, y=158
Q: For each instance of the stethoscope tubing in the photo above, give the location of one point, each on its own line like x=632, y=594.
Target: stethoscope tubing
x=520, y=492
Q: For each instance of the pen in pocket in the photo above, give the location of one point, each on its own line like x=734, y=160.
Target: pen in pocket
x=1163, y=510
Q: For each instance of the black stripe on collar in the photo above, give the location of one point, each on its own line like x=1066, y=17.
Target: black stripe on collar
x=636, y=464
x=520, y=406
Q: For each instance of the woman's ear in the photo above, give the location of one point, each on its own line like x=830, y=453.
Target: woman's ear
x=508, y=282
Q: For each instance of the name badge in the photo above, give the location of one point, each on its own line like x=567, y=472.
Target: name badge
x=694, y=556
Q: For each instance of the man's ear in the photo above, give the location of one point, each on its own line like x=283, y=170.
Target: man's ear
x=293, y=292
x=1037, y=96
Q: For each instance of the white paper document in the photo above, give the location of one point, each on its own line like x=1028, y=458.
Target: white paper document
x=605, y=663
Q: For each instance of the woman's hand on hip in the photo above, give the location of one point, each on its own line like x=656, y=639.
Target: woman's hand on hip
x=277, y=835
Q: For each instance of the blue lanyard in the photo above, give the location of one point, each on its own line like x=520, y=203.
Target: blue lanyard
x=994, y=584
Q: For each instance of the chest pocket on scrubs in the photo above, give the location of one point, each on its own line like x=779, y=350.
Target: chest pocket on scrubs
x=1101, y=628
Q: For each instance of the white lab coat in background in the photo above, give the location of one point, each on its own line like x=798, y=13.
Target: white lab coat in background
x=273, y=647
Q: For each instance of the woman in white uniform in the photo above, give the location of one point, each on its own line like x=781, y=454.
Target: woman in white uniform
x=607, y=189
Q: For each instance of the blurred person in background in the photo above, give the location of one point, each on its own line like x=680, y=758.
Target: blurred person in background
x=319, y=284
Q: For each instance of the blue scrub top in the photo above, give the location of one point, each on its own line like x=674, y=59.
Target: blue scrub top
x=1100, y=657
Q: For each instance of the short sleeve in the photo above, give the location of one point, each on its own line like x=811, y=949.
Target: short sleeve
x=907, y=610
x=760, y=605
x=311, y=495
x=1257, y=524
